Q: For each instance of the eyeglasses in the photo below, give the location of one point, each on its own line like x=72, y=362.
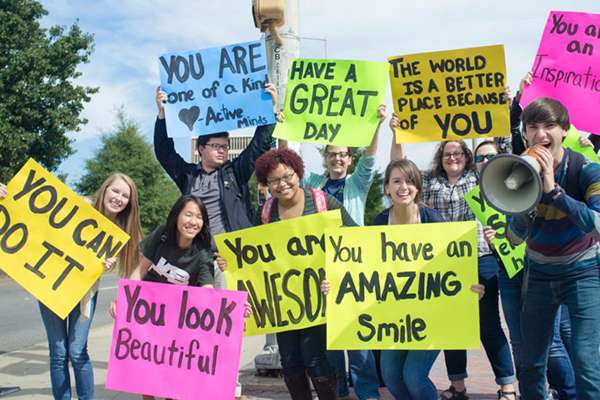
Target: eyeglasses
x=341, y=154
x=457, y=155
x=217, y=147
x=482, y=157
x=285, y=178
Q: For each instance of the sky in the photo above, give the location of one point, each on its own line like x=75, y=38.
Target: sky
x=129, y=35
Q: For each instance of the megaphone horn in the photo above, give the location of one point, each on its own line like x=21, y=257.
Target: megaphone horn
x=511, y=184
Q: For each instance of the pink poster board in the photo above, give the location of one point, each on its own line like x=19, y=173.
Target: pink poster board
x=176, y=341
x=567, y=67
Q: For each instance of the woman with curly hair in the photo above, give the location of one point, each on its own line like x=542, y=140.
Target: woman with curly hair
x=303, y=350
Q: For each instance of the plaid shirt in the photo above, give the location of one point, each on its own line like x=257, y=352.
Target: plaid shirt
x=450, y=201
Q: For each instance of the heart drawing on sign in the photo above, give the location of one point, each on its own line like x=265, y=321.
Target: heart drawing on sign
x=189, y=116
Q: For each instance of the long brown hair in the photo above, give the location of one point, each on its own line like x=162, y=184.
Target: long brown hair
x=437, y=168
x=409, y=169
x=128, y=220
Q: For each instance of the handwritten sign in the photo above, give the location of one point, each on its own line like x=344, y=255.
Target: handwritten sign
x=567, y=66
x=281, y=266
x=216, y=89
x=401, y=287
x=572, y=142
x=51, y=241
x=176, y=341
x=513, y=257
x=450, y=95
x=333, y=102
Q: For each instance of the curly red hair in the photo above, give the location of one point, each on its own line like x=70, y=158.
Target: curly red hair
x=270, y=160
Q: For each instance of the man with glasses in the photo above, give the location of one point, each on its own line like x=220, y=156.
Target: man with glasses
x=222, y=185
x=351, y=191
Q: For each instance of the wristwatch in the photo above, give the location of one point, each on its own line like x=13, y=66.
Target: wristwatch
x=554, y=193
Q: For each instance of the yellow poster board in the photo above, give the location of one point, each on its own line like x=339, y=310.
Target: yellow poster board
x=281, y=266
x=52, y=242
x=333, y=102
x=450, y=95
x=403, y=287
x=513, y=257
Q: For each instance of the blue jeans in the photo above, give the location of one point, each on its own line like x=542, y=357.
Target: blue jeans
x=542, y=300
x=304, y=350
x=406, y=373
x=67, y=341
x=510, y=295
x=362, y=369
x=560, y=372
x=492, y=336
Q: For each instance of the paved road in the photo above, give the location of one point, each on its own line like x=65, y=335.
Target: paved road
x=20, y=323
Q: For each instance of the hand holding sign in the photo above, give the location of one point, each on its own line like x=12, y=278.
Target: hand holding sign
x=333, y=101
x=62, y=257
x=215, y=90
x=176, y=341
x=450, y=95
x=399, y=287
x=566, y=67
x=281, y=266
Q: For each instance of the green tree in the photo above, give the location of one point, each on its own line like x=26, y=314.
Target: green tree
x=127, y=151
x=39, y=103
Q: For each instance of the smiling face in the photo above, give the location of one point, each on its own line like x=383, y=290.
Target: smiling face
x=283, y=183
x=189, y=224
x=453, y=159
x=547, y=134
x=336, y=164
x=401, y=189
x=116, y=198
x=484, y=151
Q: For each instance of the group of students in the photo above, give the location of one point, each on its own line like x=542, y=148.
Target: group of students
x=562, y=250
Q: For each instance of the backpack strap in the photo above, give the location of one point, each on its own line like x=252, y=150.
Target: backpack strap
x=320, y=200
x=266, y=210
x=574, y=165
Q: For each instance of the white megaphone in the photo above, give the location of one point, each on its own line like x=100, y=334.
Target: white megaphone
x=511, y=184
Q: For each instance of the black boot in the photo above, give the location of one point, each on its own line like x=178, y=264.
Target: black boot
x=326, y=386
x=298, y=386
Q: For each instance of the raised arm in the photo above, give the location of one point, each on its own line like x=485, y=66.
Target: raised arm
x=397, y=149
x=164, y=147
x=260, y=143
x=382, y=115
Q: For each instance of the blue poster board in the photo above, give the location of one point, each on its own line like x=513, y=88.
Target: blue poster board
x=217, y=89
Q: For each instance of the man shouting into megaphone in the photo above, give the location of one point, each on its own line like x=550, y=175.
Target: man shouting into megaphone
x=562, y=235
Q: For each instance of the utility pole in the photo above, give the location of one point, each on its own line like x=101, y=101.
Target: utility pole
x=279, y=59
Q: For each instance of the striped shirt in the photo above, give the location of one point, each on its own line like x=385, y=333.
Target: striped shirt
x=565, y=233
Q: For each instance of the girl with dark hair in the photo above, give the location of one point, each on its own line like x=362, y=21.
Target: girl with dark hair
x=178, y=252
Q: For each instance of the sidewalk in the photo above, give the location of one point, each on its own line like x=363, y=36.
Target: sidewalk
x=29, y=370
